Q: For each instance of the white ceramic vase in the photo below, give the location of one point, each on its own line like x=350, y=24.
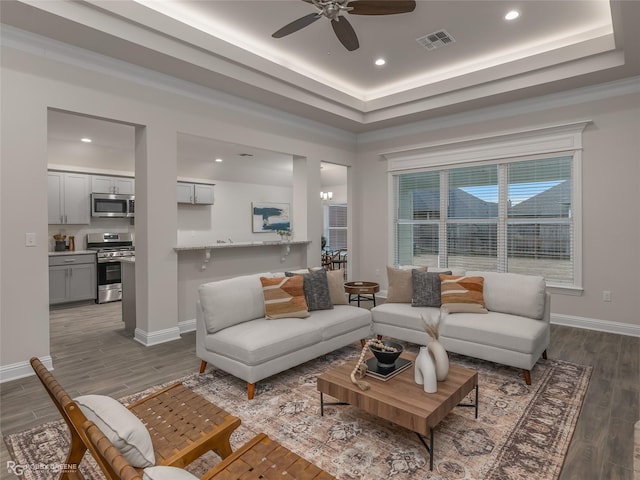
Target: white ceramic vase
x=440, y=358
x=425, y=371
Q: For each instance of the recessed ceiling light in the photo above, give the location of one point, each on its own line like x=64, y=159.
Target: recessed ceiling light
x=380, y=61
x=86, y=140
x=512, y=15
x=219, y=160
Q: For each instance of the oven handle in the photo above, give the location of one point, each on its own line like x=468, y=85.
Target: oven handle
x=109, y=260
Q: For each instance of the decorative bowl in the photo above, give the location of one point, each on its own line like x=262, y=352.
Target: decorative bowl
x=385, y=358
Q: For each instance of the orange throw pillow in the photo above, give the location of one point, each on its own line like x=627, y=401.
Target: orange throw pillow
x=462, y=294
x=284, y=297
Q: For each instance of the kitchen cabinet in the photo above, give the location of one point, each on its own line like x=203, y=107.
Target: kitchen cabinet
x=195, y=193
x=72, y=278
x=119, y=185
x=68, y=198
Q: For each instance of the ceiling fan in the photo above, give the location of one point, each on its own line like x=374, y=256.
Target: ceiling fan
x=332, y=9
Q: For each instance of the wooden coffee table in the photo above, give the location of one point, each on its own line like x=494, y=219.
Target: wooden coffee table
x=400, y=400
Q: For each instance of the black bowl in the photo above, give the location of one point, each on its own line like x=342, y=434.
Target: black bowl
x=387, y=359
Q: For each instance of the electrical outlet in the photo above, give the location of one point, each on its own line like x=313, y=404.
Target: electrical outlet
x=606, y=296
x=29, y=239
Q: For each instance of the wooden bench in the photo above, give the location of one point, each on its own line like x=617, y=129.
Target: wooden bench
x=263, y=458
x=183, y=425
x=259, y=458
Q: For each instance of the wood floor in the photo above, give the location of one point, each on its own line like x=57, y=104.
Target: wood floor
x=91, y=354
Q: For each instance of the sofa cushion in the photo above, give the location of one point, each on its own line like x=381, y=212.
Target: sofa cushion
x=342, y=319
x=462, y=294
x=284, y=297
x=126, y=431
x=399, y=289
x=426, y=288
x=499, y=330
x=404, y=315
x=514, y=293
x=258, y=341
x=316, y=290
x=231, y=301
x=335, y=279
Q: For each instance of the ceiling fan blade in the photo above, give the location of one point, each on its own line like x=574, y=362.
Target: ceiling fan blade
x=381, y=7
x=345, y=33
x=296, y=25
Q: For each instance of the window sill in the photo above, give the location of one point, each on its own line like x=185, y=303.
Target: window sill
x=564, y=290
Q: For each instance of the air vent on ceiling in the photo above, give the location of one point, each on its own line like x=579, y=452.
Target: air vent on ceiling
x=434, y=40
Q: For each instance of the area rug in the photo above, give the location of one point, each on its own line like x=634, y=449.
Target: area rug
x=522, y=432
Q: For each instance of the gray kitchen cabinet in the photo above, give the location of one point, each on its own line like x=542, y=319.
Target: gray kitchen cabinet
x=195, y=193
x=106, y=184
x=72, y=278
x=68, y=198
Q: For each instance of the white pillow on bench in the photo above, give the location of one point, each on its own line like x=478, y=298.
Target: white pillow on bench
x=167, y=473
x=126, y=431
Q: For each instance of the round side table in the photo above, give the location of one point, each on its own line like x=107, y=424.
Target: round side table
x=362, y=291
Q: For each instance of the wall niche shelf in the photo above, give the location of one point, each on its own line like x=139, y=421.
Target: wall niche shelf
x=208, y=249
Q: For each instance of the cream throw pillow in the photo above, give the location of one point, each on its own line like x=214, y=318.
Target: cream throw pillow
x=167, y=473
x=400, y=289
x=126, y=431
x=335, y=279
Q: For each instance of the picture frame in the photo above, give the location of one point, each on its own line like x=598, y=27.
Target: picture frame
x=270, y=217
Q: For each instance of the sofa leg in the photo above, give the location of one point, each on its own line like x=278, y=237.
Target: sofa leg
x=527, y=376
x=363, y=342
x=203, y=366
x=251, y=389
x=544, y=354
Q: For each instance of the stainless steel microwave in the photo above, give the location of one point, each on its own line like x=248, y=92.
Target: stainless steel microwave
x=112, y=205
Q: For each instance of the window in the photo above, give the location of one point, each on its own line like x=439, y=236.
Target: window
x=336, y=226
x=506, y=217
x=509, y=202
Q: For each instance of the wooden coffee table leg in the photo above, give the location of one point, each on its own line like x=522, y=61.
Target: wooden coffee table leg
x=475, y=405
x=428, y=447
x=323, y=403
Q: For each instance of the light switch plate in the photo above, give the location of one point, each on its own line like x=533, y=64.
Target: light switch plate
x=30, y=239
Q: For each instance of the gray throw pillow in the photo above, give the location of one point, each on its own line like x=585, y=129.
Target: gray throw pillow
x=316, y=290
x=426, y=288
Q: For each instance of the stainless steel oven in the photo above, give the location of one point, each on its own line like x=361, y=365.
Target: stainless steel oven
x=110, y=249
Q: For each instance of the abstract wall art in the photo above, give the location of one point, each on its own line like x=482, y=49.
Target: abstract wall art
x=269, y=217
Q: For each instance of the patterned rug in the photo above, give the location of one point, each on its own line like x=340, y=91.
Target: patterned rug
x=522, y=432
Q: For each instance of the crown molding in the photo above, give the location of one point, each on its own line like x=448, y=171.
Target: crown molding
x=520, y=107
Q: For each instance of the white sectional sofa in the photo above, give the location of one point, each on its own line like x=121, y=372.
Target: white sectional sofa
x=514, y=332
x=233, y=334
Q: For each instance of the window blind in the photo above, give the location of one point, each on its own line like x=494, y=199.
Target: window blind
x=337, y=226
x=511, y=216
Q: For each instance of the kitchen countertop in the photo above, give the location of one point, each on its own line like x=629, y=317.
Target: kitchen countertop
x=74, y=252
x=205, y=246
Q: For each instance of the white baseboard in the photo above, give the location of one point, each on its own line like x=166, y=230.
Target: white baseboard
x=155, y=338
x=22, y=369
x=187, y=326
x=595, y=324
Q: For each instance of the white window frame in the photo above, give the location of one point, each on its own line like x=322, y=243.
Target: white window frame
x=552, y=140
